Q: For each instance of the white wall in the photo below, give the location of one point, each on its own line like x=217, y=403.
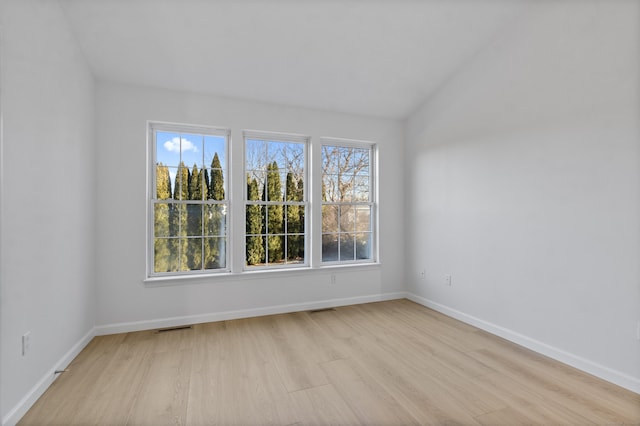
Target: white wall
x=122, y=113
x=47, y=193
x=525, y=187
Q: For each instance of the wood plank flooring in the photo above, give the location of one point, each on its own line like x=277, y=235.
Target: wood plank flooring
x=386, y=363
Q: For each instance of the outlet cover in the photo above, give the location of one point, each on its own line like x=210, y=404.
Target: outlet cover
x=26, y=343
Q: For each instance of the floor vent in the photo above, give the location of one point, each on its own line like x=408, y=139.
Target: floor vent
x=181, y=327
x=315, y=311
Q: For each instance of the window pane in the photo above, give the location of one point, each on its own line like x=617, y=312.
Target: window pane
x=181, y=185
x=295, y=158
x=363, y=246
x=195, y=181
x=347, y=218
x=256, y=249
x=360, y=160
x=191, y=147
x=361, y=188
x=194, y=253
x=283, y=186
x=363, y=218
x=275, y=224
x=330, y=155
x=216, y=184
x=161, y=220
x=330, y=188
x=255, y=185
x=347, y=251
x=163, y=182
x=215, y=250
x=329, y=218
x=330, y=247
x=168, y=148
x=173, y=172
x=295, y=248
x=274, y=188
x=275, y=249
x=255, y=155
x=346, y=188
x=290, y=187
x=177, y=220
x=183, y=249
x=254, y=218
x=345, y=162
x=215, y=146
x=301, y=215
x=165, y=258
x=299, y=179
x=194, y=219
x=215, y=220
x=295, y=219
x=277, y=153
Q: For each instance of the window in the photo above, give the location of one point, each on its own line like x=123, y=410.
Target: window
x=282, y=182
x=347, y=202
x=188, y=199
x=275, y=200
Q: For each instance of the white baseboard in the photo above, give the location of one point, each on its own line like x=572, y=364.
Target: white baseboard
x=600, y=371
x=15, y=414
x=242, y=313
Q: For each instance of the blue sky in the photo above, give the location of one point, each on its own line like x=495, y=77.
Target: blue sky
x=171, y=148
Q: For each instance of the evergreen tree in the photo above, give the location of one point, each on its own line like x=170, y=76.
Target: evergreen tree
x=181, y=185
x=178, y=219
x=255, y=247
x=275, y=215
x=162, y=252
x=293, y=219
x=195, y=184
x=217, y=179
x=214, y=218
x=300, y=193
x=301, y=212
x=163, y=182
x=206, y=184
x=194, y=220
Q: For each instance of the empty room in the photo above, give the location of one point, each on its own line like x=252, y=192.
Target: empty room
x=319, y=212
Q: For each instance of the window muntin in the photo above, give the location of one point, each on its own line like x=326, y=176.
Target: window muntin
x=275, y=200
x=347, y=202
x=188, y=197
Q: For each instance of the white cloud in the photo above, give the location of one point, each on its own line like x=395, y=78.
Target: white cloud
x=174, y=145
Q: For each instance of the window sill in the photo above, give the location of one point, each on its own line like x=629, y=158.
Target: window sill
x=171, y=280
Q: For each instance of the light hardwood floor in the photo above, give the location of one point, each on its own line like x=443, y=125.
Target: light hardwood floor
x=387, y=363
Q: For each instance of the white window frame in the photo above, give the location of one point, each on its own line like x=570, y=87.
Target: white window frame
x=372, y=203
x=157, y=126
x=287, y=138
x=235, y=166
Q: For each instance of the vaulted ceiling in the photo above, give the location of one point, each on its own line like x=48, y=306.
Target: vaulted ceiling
x=373, y=57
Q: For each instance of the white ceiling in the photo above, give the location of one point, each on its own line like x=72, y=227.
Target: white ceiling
x=371, y=57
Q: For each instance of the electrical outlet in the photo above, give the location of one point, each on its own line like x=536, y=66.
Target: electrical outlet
x=26, y=343
x=423, y=274
x=333, y=278
x=447, y=280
